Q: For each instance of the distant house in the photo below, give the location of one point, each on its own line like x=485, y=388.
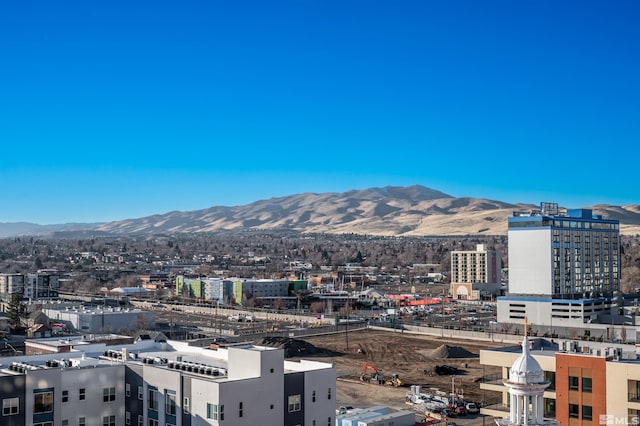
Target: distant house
x=38, y=331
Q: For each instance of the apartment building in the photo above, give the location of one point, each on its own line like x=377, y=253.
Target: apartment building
x=264, y=288
x=564, y=267
x=42, y=285
x=151, y=383
x=475, y=273
x=9, y=284
x=589, y=383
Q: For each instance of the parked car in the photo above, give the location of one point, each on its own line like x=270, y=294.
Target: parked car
x=344, y=409
x=472, y=408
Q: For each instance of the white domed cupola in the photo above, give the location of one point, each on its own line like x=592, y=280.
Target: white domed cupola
x=526, y=370
x=526, y=386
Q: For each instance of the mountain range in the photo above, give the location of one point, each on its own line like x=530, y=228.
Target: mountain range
x=388, y=211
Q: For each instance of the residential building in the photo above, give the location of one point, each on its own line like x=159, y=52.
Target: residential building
x=475, y=273
x=166, y=383
x=259, y=289
x=9, y=284
x=564, y=267
x=589, y=383
x=42, y=285
x=217, y=289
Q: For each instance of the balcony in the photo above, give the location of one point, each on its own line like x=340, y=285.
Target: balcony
x=493, y=382
x=492, y=379
x=495, y=410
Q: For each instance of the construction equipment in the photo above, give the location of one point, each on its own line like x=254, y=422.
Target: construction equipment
x=371, y=374
x=393, y=381
x=375, y=376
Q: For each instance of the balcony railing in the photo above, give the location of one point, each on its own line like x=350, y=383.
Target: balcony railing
x=497, y=407
x=493, y=379
x=634, y=397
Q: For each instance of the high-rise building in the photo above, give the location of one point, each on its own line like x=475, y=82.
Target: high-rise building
x=563, y=265
x=475, y=273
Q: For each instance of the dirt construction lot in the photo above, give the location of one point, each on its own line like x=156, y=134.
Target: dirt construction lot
x=413, y=357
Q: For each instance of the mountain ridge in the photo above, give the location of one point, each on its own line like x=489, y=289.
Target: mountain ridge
x=385, y=211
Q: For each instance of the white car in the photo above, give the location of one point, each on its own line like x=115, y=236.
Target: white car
x=344, y=409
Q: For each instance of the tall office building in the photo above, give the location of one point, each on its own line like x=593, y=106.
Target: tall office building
x=563, y=265
x=475, y=273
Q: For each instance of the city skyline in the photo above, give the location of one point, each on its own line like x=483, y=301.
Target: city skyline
x=126, y=110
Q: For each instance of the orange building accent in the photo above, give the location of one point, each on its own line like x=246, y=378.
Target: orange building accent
x=580, y=366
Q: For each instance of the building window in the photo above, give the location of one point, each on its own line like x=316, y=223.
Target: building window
x=10, y=406
x=586, y=384
x=82, y=394
x=153, y=422
x=573, y=383
x=153, y=399
x=140, y=420
x=170, y=402
x=329, y=394
x=140, y=393
x=212, y=411
x=65, y=422
x=587, y=412
x=65, y=396
x=240, y=409
x=185, y=404
x=313, y=396
x=127, y=418
x=43, y=402
x=43, y=424
x=127, y=390
x=550, y=376
x=82, y=421
x=108, y=394
x=329, y=423
x=109, y=421
x=294, y=403
x=573, y=411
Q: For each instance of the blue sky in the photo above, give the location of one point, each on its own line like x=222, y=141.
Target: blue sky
x=114, y=110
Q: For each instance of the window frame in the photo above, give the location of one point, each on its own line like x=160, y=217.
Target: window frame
x=40, y=396
x=294, y=403
x=8, y=406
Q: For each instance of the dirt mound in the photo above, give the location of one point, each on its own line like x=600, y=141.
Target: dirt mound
x=446, y=351
x=294, y=348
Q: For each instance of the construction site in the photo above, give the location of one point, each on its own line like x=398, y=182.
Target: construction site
x=377, y=367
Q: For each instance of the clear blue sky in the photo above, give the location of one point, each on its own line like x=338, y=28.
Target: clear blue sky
x=112, y=110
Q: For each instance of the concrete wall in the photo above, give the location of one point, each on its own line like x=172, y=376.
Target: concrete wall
x=530, y=266
x=324, y=387
x=163, y=380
